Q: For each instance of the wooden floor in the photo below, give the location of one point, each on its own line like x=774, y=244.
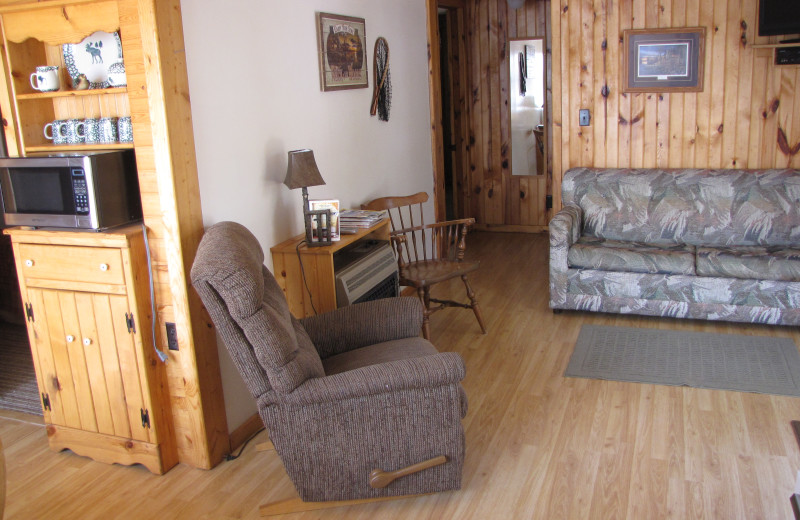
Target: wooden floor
x=538, y=445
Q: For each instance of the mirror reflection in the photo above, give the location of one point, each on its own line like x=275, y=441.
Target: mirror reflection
x=527, y=105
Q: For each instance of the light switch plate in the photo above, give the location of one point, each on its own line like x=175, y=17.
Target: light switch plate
x=584, y=117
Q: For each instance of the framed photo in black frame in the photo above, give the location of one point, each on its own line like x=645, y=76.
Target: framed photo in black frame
x=663, y=60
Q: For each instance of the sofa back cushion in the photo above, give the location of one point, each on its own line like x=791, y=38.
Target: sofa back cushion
x=697, y=207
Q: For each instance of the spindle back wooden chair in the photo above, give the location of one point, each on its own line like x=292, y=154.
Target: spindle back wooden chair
x=428, y=253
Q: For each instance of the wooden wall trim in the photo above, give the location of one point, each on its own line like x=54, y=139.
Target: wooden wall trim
x=435, y=103
x=161, y=114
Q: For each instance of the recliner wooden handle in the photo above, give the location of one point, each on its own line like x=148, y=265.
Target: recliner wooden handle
x=380, y=479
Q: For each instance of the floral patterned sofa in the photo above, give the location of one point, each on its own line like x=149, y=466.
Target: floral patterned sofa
x=706, y=244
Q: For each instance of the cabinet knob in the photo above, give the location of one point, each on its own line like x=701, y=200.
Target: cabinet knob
x=29, y=263
x=87, y=341
x=104, y=267
x=70, y=338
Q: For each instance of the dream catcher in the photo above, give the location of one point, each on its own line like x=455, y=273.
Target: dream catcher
x=382, y=95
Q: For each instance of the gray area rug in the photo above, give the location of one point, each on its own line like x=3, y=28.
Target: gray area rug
x=697, y=359
x=18, y=389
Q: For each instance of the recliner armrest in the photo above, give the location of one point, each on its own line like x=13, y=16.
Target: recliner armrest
x=362, y=324
x=414, y=373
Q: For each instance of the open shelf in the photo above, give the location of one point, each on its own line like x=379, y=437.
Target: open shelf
x=78, y=147
x=73, y=93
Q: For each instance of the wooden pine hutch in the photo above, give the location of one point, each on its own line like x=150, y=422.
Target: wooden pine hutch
x=61, y=273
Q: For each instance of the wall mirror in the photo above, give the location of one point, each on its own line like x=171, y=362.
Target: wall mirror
x=527, y=106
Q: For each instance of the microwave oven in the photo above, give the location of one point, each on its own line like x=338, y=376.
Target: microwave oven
x=89, y=190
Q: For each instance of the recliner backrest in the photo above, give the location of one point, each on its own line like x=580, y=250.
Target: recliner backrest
x=251, y=313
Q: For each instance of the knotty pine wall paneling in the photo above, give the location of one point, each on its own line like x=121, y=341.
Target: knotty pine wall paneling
x=494, y=197
x=747, y=116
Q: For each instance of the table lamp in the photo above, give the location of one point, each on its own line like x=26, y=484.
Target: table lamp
x=302, y=173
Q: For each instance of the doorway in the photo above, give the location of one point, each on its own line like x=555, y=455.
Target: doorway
x=471, y=92
x=451, y=143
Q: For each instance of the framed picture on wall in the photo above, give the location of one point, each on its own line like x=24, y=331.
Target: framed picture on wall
x=341, y=44
x=663, y=60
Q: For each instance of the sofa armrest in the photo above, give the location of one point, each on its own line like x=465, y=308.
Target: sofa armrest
x=433, y=371
x=565, y=229
x=355, y=326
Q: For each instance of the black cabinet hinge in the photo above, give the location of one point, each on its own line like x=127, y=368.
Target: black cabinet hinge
x=29, y=312
x=145, y=418
x=130, y=323
x=548, y=202
x=46, y=402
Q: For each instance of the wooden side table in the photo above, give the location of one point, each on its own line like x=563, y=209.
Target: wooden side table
x=293, y=262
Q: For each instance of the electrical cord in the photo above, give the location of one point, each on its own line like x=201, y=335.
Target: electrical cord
x=230, y=457
x=303, y=274
x=161, y=355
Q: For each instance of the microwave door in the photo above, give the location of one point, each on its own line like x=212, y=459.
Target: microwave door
x=38, y=197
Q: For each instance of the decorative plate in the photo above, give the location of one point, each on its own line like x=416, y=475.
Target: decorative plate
x=93, y=57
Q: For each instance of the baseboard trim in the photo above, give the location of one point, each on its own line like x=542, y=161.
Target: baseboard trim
x=245, y=430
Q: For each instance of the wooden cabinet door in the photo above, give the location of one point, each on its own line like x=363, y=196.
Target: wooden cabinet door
x=86, y=363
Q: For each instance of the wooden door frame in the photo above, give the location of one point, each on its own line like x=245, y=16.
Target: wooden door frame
x=435, y=99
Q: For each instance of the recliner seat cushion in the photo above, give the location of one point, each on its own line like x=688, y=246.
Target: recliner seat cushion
x=750, y=262
x=385, y=352
x=637, y=257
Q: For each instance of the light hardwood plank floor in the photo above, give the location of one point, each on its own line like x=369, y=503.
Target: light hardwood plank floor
x=538, y=445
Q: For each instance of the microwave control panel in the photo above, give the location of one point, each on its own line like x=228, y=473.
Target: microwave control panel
x=80, y=191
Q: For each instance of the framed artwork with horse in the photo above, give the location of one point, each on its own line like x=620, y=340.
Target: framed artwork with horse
x=341, y=42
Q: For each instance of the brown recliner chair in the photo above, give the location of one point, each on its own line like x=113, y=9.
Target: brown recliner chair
x=343, y=393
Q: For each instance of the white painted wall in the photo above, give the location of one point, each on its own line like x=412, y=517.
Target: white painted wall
x=254, y=84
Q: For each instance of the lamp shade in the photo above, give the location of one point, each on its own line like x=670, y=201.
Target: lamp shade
x=302, y=170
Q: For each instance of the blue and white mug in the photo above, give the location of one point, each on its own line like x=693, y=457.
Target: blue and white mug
x=125, y=129
x=108, y=130
x=55, y=132
x=72, y=130
x=46, y=78
x=91, y=130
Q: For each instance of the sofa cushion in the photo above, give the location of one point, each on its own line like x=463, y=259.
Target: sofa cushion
x=750, y=262
x=636, y=257
x=692, y=206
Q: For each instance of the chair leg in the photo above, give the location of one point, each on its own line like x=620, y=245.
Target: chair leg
x=474, y=303
x=425, y=296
